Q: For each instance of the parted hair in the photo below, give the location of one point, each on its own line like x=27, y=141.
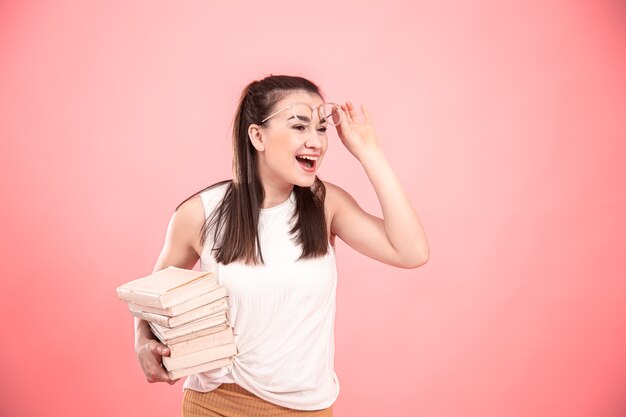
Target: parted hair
x=234, y=221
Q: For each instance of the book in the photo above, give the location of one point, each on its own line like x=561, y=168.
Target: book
x=199, y=357
x=184, y=307
x=167, y=287
x=162, y=332
x=204, y=367
x=187, y=311
x=184, y=318
x=202, y=342
x=193, y=335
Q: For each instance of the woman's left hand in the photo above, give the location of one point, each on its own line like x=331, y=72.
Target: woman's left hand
x=359, y=137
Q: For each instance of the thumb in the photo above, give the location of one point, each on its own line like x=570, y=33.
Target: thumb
x=159, y=348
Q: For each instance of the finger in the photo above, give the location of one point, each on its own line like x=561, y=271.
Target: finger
x=353, y=114
x=157, y=374
x=166, y=377
x=161, y=375
x=159, y=349
x=368, y=119
x=343, y=124
x=346, y=112
x=339, y=125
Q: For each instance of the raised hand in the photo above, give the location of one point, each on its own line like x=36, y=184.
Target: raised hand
x=358, y=136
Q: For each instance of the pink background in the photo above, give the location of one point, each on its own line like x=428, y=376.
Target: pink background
x=504, y=121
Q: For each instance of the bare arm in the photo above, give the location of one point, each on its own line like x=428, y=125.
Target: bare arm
x=178, y=250
x=398, y=238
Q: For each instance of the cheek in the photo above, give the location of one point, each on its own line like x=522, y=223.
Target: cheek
x=324, y=144
x=282, y=154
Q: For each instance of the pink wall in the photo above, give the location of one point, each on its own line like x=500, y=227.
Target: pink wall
x=505, y=121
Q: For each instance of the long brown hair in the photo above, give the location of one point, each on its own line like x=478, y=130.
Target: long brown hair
x=234, y=221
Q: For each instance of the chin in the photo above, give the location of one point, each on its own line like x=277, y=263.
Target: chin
x=306, y=182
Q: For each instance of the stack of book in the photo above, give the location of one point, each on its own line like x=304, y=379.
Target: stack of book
x=187, y=312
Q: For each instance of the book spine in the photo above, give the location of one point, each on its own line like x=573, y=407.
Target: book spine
x=161, y=311
x=191, y=291
x=205, y=367
x=195, y=358
x=203, y=342
x=175, y=321
x=169, y=333
x=215, y=329
x=210, y=297
x=150, y=317
x=142, y=298
x=197, y=314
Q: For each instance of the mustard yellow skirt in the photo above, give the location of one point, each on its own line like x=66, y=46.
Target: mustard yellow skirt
x=231, y=400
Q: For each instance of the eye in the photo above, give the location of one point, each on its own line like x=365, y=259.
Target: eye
x=322, y=129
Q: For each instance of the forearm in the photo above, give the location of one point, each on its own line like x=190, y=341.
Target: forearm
x=142, y=331
x=402, y=225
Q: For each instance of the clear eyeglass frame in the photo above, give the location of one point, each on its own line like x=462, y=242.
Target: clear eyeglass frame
x=320, y=113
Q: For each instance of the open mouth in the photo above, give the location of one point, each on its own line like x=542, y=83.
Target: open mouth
x=307, y=164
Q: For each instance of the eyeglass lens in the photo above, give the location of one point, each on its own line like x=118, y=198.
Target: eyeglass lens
x=328, y=112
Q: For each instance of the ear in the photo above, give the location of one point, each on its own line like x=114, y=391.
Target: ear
x=256, y=137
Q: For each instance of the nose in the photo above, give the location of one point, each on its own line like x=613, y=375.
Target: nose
x=313, y=139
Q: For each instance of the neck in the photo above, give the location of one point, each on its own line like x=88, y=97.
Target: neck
x=275, y=195
x=276, y=190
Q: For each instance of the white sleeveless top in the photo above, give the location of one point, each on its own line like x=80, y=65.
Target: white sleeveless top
x=282, y=313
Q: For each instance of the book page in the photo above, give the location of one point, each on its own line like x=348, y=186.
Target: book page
x=165, y=280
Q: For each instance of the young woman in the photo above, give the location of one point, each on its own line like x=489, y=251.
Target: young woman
x=268, y=234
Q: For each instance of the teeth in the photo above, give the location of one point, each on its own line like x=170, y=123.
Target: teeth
x=312, y=158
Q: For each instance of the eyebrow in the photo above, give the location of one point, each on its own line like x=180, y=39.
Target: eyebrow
x=306, y=119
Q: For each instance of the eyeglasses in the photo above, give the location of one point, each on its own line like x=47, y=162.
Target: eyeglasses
x=303, y=112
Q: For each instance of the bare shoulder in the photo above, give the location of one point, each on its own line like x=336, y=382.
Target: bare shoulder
x=182, y=237
x=190, y=218
x=335, y=194
x=336, y=198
